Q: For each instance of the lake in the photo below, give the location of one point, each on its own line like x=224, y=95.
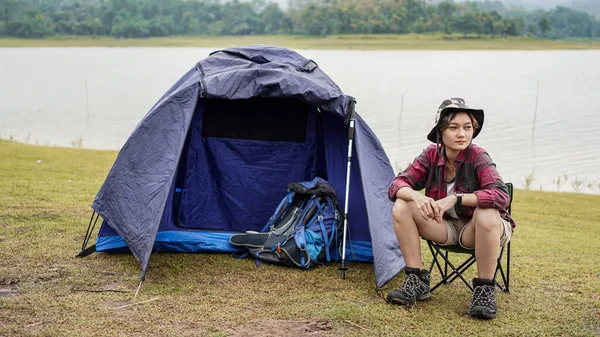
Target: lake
x=542, y=107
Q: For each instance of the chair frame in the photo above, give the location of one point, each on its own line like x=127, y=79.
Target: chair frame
x=448, y=277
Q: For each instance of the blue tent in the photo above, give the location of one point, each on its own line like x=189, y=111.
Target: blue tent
x=214, y=156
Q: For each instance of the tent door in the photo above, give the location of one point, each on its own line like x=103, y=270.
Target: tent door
x=240, y=156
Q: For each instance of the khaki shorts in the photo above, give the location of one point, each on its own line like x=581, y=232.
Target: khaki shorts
x=456, y=227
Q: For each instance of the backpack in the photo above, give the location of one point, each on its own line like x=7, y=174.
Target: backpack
x=303, y=230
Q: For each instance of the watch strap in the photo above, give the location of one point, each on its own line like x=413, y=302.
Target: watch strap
x=459, y=196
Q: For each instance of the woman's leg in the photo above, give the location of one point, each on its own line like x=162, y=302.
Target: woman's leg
x=409, y=225
x=484, y=233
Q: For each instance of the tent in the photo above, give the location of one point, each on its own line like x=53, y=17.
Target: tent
x=214, y=155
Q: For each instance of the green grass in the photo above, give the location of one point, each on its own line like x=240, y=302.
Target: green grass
x=360, y=42
x=45, y=194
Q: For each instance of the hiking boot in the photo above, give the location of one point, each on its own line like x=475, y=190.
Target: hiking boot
x=415, y=288
x=483, y=304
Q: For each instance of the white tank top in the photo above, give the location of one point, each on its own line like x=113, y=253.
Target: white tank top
x=451, y=212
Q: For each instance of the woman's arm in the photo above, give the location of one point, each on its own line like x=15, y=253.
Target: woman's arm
x=428, y=207
x=469, y=199
x=414, y=176
x=493, y=192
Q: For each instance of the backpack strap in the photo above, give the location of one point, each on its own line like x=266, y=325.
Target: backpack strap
x=320, y=211
x=286, y=200
x=334, y=225
x=308, y=216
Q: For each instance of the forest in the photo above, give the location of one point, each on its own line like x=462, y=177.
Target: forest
x=149, y=18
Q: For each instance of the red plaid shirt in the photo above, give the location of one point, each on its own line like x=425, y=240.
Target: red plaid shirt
x=475, y=173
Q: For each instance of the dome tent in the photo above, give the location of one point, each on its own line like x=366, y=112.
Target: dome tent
x=214, y=155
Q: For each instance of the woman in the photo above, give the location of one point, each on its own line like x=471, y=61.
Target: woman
x=465, y=203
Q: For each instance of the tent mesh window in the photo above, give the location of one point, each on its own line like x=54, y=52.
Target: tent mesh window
x=281, y=120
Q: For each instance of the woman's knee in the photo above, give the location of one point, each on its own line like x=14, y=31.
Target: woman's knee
x=400, y=210
x=486, y=219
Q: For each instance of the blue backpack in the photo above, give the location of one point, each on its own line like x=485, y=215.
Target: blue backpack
x=303, y=230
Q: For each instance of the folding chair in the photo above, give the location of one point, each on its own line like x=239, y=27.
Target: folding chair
x=456, y=272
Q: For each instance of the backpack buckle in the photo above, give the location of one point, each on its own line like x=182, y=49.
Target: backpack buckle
x=337, y=215
x=320, y=217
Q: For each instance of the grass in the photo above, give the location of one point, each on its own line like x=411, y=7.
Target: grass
x=46, y=291
x=359, y=42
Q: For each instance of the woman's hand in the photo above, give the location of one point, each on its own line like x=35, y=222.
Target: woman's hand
x=445, y=204
x=428, y=207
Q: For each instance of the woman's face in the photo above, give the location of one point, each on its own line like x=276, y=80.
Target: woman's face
x=459, y=133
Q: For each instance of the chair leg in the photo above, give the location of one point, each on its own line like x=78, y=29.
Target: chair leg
x=505, y=286
x=508, y=267
x=456, y=272
x=435, y=261
x=446, y=266
x=461, y=269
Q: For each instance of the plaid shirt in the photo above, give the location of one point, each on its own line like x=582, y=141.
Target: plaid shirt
x=475, y=173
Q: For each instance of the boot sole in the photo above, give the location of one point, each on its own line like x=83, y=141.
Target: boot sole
x=482, y=313
x=422, y=298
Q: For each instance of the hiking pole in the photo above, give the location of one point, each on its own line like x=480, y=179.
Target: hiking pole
x=350, y=121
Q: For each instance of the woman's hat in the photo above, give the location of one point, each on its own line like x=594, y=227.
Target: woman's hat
x=453, y=105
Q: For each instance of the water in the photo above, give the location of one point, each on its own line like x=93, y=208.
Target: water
x=96, y=96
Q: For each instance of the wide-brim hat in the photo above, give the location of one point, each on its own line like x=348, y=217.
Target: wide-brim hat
x=455, y=104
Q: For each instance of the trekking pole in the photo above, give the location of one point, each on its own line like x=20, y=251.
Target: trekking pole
x=350, y=121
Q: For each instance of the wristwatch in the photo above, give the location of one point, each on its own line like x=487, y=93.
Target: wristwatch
x=459, y=196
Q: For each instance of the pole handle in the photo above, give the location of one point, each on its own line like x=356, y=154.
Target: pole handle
x=351, y=110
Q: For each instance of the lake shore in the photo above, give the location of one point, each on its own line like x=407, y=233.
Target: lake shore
x=338, y=42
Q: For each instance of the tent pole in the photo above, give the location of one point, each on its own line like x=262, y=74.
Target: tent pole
x=88, y=234
x=350, y=121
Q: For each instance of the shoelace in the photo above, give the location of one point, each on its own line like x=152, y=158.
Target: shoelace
x=483, y=296
x=411, y=285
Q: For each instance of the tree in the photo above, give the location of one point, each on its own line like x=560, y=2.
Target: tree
x=314, y=21
x=567, y=22
x=446, y=13
x=489, y=22
x=275, y=20
x=30, y=27
x=467, y=23
x=239, y=18
x=127, y=25
x=544, y=24
x=512, y=27
x=161, y=26
x=140, y=18
x=7, y=12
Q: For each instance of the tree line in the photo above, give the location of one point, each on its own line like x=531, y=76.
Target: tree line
x=146, y=18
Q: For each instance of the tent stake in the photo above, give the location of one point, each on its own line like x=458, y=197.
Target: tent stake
x=138, y=288
x=128, y=305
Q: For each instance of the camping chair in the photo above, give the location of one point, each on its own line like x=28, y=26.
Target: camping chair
x=456, y=272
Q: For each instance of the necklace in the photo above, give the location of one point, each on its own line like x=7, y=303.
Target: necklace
x=450, y=172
